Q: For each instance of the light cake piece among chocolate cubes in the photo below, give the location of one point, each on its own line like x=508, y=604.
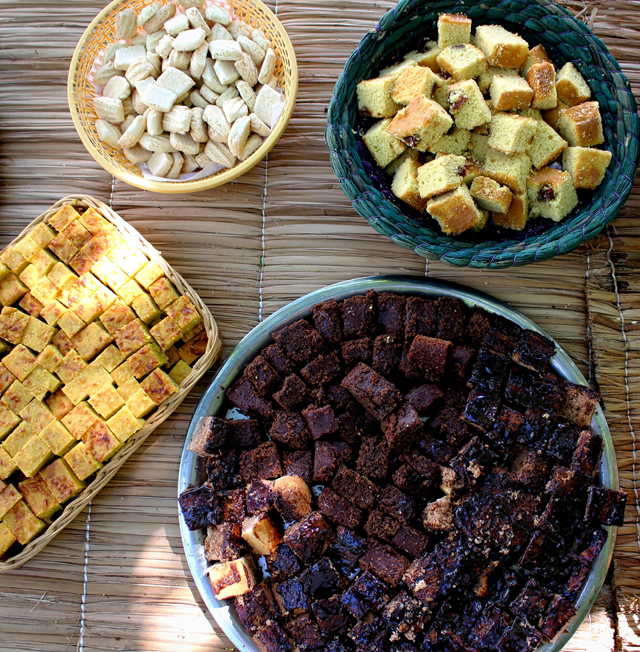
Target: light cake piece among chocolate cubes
x=551, y=194
x=421, y=123
x=467, y=105
x=587, y=166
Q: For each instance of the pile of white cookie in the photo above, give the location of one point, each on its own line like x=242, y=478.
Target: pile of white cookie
x=184, y=87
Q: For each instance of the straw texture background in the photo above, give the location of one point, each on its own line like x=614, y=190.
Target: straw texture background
x=116, y=578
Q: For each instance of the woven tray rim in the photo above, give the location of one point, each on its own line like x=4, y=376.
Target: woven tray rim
x=214, y=345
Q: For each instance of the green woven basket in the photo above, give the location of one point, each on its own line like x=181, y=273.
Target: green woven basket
x=409, y=25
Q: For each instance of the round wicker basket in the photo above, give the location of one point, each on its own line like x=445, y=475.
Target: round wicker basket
x=408, y=26
x=80, y=93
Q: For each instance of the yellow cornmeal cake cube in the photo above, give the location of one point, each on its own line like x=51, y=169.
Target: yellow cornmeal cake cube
x=99, y=245
x=104, y=298
x=184, y=313
x=427, y=57
x=63, y=248
x=11, y=289
x=30, y=305
x=510, y=93
x=80, y=419
x=39, y=498
x=412, y=83
x=148, y=358
x=146, y=308
x=27, y=247
x=23, y=524
x=128, y=389
x=9, y=497
x=101, y=442
x=441, y=93
x=102, y=268
x=13, y=259
x=129, y=291
x=60, y=275
x=404, y=186
x=159, y=386
x=490, y=195
x=33, y=456
x=397, y=69
x=13, y=325
x=420, y=124
x=517, y=215
x=501, y=47
x=62, y=342
x=536, y=55
x=542, y=79
x=581, y=125
x=106, y=402
x=512, y=134
x=92, y=220
x=45, y=291
x=116, y=279
x=374, y=97
x=486, y=78
x=110, y=358
x=70, y=323
x=59, y=404
x=30, y=276
x=117, y=317
x=50, y=358
x=77, y=234
x=149, y=273
x=163, y=292
x=122, y=374
x=42, y=235
x=6, y=378
x=87, y=310
x=62, y=481
x=4, y=270
x=37, y=414
x=18, y=438
x=467, y=105
x=194, y=349
x=462, y=61
x=70, y=367
x=140, y=403
x=123, y=424
x=546, y=146
x=40, y=382
x=181, y=370
x=38, y=334
x=551, y=194
x=8, y=421
x=63, y=217
x=453, y=29
x=44, y=261
x=174, y=355
x=52, y=312
x=455, y=211
x=571, y=86
x=479, y=143
x=132, y=337
x=512, y=171
x=91, y=340
x=57, y=437
x=383, y=146
x=129, y=260
x=91, y=380
x=82, y=463
x=7, y=465
x=17, y=397
x=20, y=362
x=6, y=539
x=390, y=170
x=586, y=166
x=441, y=175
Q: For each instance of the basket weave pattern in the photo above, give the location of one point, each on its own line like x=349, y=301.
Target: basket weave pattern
x=81, y=93
x=214, y=345
x=407, y=26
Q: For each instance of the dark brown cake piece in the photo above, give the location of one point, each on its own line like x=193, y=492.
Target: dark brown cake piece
x=321, y=421
x=321, y=579
x=261, y=463
x=532, y=602
x=402, y=427
x=405, y=616
x=450, y=427
x=391, y=312
x=243, y=395
x=563, y=441
x=533, y=351
x=224, y=542
x=382, y=526
x=424, y=397
x=271, y=638
x=327, y=317
x=539, y=425
x=518, y=387
x=587, y=454
x=565, y=482
x=605, y=506
x=263, y=376
x=384, y=562
x=256, y=607
x=283, y=565
x=200, y=507
x=310, y=537
x=589, y=544
x=232, y=504
x=395, y=503
x=579, y=404
x=304, y=633
x=298, y=463
x=461, y=361
x=299, y=341
x=223, y=469
x=328, y=457
x=322, y=370
x=412, y=372
x=291, y=597
x=359, y=315
x=340, y=399
x=376, y=394
x=339, y=509
x=331, y=616
x=291, y=429
x=541, y=556
x=411, y=541
x=355, y=351
x=210, y=435
x=370, y=634
x=348, y=547
x=259, y=497
x=373, y=460
x=366, y=594
x=451, y=317
x=244, y=433
x=408, y=480
x=355, y=487
x=481, y=409
x=351, y=428
x=559, y=613
x=278, y=359
x=490, y=627
x=506, y=429
x=430, y=354
x=520, y=636
x=578, y=575
x=292, y=393
x=489, y=371
x=529, y=468
x=476, y=328
x=421, y=318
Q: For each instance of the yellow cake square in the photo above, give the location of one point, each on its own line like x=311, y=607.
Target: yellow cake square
x=82, y=263
x=88, y=309
x=18, y=438
x=89, y=283
x=61, y=480
x=27, y=247
x=59, y=404
x=116, y=279
x=132, y=337
x=99, y=245
x=129, y=388
x=8, y=421
x=13, y=324
x=50, y=358
x=184, y=313
x=179, y=372
x=140, y=404
x=122, y=374
x=77, y=234
x=146, y=308
x=159, y=386
x=30, y=305
x=37, y=414
x=63, y=248
x=70, y=323
x=39, y=498
x=149, y=274
x=129, y=260
x=91, y=340
x=38, y=334
x=129, y=291
x=82, y=463
x=166, y=333
x=20, y=362
x=110, y=358
x=30, y=276
x=62, y=341
x=174, y=355
x=44, y=261
x=9, y=496
x=60, y=275
x=198, y=328
x=123, y=424
x=163, y=292
x=33, y=456
x=88, y=382
x=7, y=465
x=102, y=269
x=24, y=525
x=11, y=289
x=6, y=539
x=106, y=402
x=52, y=312
x=148, y=358
x=117, y=317
x=4, y=271
x=194, y=349
x=6, y=378
x=94, y=222
x=101, y=442
x=42, y=235
x=13, y=259
x=80, y=419
x=58, y=438
x=104, y=298
x=70, y=367
x=63, y=217
x=40, y=382
x=17, y=397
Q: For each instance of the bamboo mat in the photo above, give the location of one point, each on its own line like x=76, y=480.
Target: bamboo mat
x=117, y=578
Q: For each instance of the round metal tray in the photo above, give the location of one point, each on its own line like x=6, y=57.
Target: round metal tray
x=211, y=401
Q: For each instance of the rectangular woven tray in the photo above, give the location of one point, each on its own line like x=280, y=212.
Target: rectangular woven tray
x=214, y=345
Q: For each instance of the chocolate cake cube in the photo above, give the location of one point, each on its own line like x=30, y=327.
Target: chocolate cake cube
x=322, y=370
x=559, y=613
x=310, y=537
x=481, y=409
x=562, y=443
x=261, y=463
x=331, y=616
x=298, y=463
x=548, y=394
x=271, y=638
x=439, y=451
x=532, y=602
x=348, y=547
x=232, y=504
x=476, y=327
x=376, y=394
x=263, y=376
x=506, y=429
x=605, y=506
x=577, y=579
x=539, y=424
x=222, y=470
x=411, y=541
x=321, y=580
x=489, y=371
x=338, y=509
x=243, y=395
x=210, y=435
x=291, y=596
x=370, y=634
x=351, y=428
x=321, y=421
x=384, y=562
x=450, y=427
x=565, y=482
x=589, y=545
x=394, y=503
x=382, y=526
x=291, y=429
x=304, y=633
x=530, y=469
x=520, y=637
x=402, y=427
x=430, y=354
x=518, y=387
x=359, y=315
x=424, y=397
x=508, y=328
x=587, y=454
x=373, y=460
x=283, y=565
x=490, y=627
x=292, y=393
x=299, y=341
x=200, y=507
x=428, y=469
x=260, y=497
x=555, y=517
x=412, y=372
x=408, y=480
x=505, y=588
x=224, y=543
x=533, y=351
x=356, y=351
x=244, y=433
x=386, y=354
x=278, y=359
x=256, y=607
x=404, y=615
x=498, y=341
x=328, y=457
x=340, y=399
x=391, y=311
x=540, y=557
x=358, y=489
x=366, y=594
x=327, y=317
x=579, y=404
x=460, y=362
x=421, y=318
x=451, y=316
